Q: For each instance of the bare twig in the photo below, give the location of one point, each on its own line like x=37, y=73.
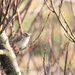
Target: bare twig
x=28, y=64
x=69, y=68
x=1, y=4
x=50, y=42
x=18, y=16
x=36, y=18
x=19, y=21
x=48, y=6
x=44, y=66
x=26, y=52
x=69, y=38
x=26, y=9
x=72, y=8
x=60, y=6
x=63, y=53
x=36, y=37
x=41, y=30
x=5, y=14
x=68, y=28
x=73, y=38
x=66, y=60
x=5, y=19
x=56, y=15
x=8, y=21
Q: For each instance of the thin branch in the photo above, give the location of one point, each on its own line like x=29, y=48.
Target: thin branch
x=5, y=13
x=61, y=2
x=68, y=26
x=63, y=53
x=60, y=6
x=19, y=21
x=52, y=5
x=26, y=9
x=26, y=52
x=28, y=64
x=72, y=8
x=44, y=62
x=56, y=16
x=66, y=60
x=36, y=18
x=36, y=37
x=69, y=68
x=8, y=21
x=1, y=4
x=41, y=30
x=69, y=38
x=20, y=2
x=51, y=42
x=18, y=15
x=48, y=6
x=60, y=21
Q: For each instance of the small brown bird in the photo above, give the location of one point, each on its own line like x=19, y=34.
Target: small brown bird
x=22, y=40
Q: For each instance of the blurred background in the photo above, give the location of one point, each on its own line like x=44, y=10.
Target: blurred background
x=48, y=54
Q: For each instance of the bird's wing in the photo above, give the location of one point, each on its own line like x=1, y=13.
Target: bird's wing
x=17, y=39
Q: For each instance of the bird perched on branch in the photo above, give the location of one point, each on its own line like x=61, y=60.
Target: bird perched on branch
x=21, y=41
